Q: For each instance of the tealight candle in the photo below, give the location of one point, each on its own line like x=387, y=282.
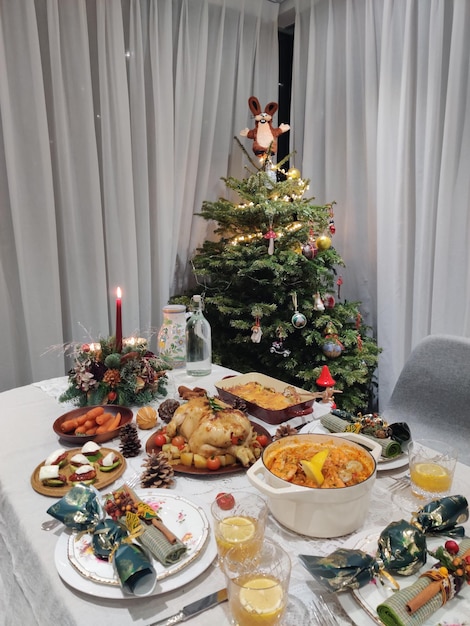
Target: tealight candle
x=134, y=342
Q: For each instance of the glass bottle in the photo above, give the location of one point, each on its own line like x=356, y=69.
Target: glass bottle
x=198, y=342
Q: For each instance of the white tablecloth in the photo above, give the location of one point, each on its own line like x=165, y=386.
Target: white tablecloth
x=31, y=589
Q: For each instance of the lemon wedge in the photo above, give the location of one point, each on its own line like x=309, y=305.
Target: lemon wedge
x=313, y=468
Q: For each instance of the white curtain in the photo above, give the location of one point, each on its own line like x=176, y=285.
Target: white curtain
x=381, y=124
x=117, y=121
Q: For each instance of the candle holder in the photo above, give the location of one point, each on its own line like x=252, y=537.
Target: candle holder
x=100, y=375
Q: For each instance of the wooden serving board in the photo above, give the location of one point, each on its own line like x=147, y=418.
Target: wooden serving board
x=103, y=479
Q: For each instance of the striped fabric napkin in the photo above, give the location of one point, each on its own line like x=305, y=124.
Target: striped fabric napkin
x=335, y=424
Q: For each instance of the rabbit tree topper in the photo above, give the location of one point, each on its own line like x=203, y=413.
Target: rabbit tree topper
x=263, y=134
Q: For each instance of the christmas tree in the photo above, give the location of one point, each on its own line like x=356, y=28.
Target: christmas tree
x=272, y=290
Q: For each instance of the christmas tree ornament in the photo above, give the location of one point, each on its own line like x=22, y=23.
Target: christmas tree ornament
x=256, y=332
x=270, y=171
x=318, y=303
x=277, y=346
x=264, y=135
x=329, y=300
x=309, y=250
x=332, y=227
x=271, y=236
x=339, y=282
x=298, y=319
x=359, y=342
x=323, y=242
x=330, y=329
x=325, y=379
x=332, y=348
x=293, y=173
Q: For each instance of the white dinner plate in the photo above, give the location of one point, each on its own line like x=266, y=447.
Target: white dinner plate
x=361, y=604
x=79, y=568
x=382, y=464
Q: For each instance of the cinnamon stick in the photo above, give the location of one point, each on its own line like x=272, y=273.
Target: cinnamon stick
x=434, y=588
x=156, y=521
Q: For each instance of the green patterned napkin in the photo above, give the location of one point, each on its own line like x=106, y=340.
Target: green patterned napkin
x=393, y=611
x=335, y=424
x=156, y=542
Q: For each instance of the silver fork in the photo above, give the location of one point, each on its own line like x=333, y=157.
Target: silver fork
x=400, y=483
x=322, y=612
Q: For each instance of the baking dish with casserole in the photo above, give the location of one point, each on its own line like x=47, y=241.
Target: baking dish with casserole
x=266, y=398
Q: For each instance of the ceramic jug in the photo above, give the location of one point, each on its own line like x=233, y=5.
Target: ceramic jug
x=171, y=339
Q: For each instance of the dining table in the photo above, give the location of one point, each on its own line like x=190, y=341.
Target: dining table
x=36, y=589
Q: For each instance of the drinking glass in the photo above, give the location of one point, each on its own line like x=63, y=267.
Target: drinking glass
x=257, y=584
x=239, y=520
x=432, y=465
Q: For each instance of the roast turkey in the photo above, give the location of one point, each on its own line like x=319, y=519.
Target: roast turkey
x=212, y=431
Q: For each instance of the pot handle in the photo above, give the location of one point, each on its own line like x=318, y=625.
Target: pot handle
x=257, y=469
x=374, y=448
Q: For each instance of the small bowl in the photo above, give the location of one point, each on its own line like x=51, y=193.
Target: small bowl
x=126, y=417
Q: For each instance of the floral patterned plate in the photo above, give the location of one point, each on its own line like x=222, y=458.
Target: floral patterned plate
x=186, y=520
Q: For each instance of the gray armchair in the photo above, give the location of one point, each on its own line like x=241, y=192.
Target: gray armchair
x=432, y=393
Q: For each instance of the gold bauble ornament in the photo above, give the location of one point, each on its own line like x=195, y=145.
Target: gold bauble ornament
x=323, y=242
x=146, y=417
x=293, y=173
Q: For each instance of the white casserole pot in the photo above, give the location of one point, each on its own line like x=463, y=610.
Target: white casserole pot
x=310, y=511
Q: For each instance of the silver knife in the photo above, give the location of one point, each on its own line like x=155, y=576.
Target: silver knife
x=190, y=610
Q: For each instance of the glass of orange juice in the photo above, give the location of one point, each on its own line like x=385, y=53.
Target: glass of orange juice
x=432, y=465
x=258, y=585
x=239, y=520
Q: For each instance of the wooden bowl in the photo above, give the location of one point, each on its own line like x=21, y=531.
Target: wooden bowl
x=79, y=440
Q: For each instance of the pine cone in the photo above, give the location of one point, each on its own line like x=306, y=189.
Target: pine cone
x=158, y=472
x=284, y=431
x=130, y=442
x=112, y=378
x=167, y=408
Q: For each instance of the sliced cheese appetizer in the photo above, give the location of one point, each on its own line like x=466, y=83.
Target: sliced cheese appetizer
x=109, y=462
x=49, y=475
x=90, y=447
x=46, y=472
x=56, y=457
x=84, y=469
x=79, y=459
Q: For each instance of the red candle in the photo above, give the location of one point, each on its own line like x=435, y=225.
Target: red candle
x=118, y=321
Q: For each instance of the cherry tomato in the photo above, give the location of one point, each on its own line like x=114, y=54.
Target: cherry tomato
x=467, y=559
x=262, y=440
x=225, y=501
x=235, y=441
x=178, y=441
x=160, y=440
x=452, y=547
x=213, y=463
